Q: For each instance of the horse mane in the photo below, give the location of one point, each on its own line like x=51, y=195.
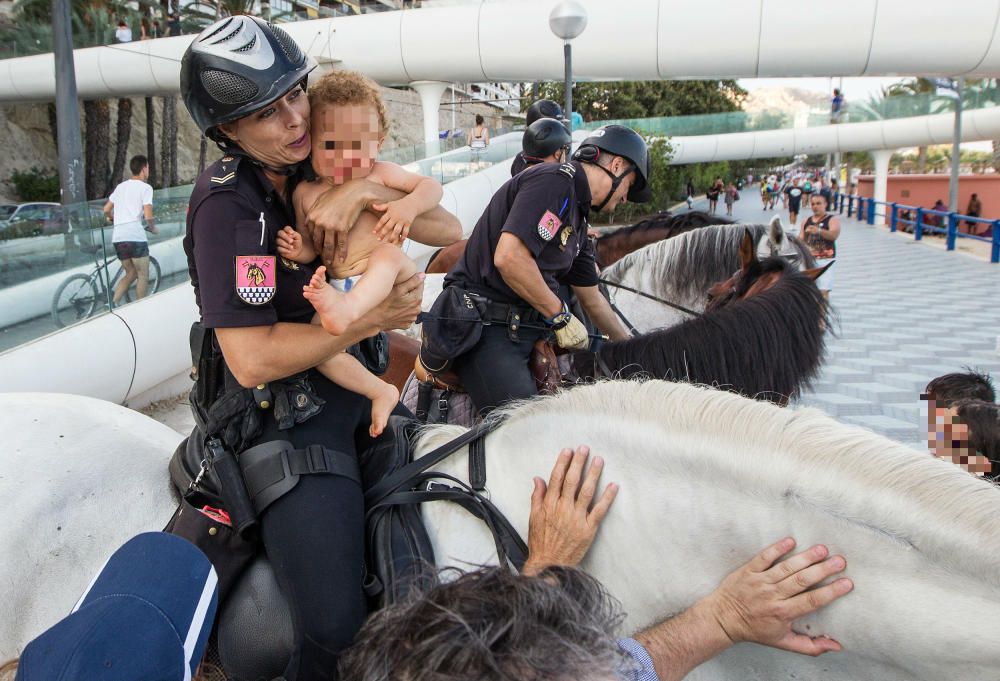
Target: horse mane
x=767, y=346
x=799, y=457
x=672, y=224
x=689, y=264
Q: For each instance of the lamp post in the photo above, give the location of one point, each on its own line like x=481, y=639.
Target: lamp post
x=567, y=20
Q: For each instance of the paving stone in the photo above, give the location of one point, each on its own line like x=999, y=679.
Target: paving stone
x=836, y=404
x=876, y=392
x=911, y=412
x=913, y=382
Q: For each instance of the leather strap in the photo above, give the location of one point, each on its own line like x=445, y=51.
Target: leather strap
x=477, y=464
x=272, y=469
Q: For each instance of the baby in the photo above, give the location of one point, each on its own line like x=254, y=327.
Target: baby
x=348, y=127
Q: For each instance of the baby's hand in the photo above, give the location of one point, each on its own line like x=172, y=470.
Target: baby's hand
x=289, y=244
x=394, y=226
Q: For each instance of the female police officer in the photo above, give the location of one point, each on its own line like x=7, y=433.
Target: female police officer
x=531, y=239
x=243, y=81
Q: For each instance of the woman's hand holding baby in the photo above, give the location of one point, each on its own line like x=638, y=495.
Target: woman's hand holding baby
x=397, y=217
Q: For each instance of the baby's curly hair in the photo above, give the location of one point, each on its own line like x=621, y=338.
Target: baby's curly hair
x=349, y=87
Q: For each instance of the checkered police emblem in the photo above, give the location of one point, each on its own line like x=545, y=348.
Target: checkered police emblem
x=255, y=280
x=548, y=226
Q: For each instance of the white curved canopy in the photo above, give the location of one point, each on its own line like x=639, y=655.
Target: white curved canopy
x=510, y=40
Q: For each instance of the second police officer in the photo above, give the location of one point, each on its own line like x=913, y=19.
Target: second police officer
x=502, y=296
x=543, y=108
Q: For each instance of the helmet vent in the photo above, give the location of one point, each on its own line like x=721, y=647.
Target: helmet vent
x=288, y=46
x=218, y=30
x=228, y=88
x=248, y=46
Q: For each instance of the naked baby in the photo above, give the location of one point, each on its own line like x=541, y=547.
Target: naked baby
x=348, y=126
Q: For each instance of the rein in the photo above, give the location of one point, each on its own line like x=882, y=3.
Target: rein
x=677, y=307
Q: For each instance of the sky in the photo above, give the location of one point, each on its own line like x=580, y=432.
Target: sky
x=854, y=88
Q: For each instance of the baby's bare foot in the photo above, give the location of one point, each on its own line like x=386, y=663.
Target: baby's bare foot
x=328, y=302
x=382, y=405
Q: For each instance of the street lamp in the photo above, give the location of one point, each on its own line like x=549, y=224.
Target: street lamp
x=567, y=20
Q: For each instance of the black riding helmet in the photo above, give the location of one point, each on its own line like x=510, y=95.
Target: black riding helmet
x=619, y=140
x=543, y=108
x=545, y=137
x=235, y=67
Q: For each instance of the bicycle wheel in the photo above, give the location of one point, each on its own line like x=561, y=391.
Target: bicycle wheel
x=154, y=281
x=74, y=300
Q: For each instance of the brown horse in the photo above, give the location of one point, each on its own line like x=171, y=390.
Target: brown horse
x=610, y=247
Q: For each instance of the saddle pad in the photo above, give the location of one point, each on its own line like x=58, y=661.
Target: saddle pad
x=461, y=411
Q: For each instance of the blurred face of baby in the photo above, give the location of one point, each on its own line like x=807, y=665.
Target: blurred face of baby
x=346, y=139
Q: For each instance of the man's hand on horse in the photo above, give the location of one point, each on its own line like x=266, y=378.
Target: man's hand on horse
x=331, y=217
x=564, y=516
x=759, y=601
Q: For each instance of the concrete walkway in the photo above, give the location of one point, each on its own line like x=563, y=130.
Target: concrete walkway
x=906, y=312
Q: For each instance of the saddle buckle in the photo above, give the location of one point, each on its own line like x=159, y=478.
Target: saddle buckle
x=317, y=461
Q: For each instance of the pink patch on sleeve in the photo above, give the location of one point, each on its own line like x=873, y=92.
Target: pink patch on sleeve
x=255, y=278
x=549, y=225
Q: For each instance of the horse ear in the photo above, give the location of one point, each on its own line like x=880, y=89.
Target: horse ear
x=817, y=272
x=776, y=231
x=748, y=255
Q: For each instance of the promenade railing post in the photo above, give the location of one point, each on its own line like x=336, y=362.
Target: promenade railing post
x=995, y=255
x=918, y=225
x=892, y=220
x=952, y=230
x=871, y=211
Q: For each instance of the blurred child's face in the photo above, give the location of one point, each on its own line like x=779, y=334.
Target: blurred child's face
x=948, y=439
x=345, y=140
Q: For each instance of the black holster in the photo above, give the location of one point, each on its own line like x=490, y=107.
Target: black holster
x=233, y=489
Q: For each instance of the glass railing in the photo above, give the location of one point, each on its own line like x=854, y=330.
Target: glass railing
x=757, y=121
x=59, y=265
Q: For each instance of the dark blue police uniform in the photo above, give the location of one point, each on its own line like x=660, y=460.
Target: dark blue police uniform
x=314, y=534
x=518, y=164
x=545, y=207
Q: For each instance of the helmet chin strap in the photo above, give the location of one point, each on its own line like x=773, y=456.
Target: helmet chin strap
x=616, y=180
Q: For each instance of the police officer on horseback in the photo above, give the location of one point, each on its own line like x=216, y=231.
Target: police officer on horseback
x=502, y=295
x=543, y=108
x=545, y=141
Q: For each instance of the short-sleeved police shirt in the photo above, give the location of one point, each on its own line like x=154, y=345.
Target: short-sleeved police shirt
x=239, y=279
x=518, y=164
x=545, y=207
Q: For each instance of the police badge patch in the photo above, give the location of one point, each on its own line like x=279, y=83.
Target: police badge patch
x=255, y=278
x=548, y=226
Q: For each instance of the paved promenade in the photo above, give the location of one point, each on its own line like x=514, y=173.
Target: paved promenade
x=906, y=312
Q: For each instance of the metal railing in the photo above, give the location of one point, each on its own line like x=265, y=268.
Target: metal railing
x=919, y=220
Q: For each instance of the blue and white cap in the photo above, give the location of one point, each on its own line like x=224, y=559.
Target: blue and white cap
x=145, y=617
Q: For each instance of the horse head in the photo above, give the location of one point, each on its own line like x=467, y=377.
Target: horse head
x=755, y=275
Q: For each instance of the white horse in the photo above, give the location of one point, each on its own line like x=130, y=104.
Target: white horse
x=682, y=269
x=707, y=479
x=679, y=269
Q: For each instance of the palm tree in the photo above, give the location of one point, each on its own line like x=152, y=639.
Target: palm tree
x=123, y=130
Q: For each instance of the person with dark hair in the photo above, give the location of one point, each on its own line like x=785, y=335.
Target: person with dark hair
x=123, y=34
x=128, y=205
x=968, y=434
x=947, y=389
x=263, y=405
x=713, y=194
x=975, y=210
x=555, y=622
x=948, y=432
x=820, y=232
x=479, y=139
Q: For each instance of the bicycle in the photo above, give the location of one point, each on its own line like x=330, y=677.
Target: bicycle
x=77, y=297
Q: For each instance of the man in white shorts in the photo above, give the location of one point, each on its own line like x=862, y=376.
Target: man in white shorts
x=130, y=202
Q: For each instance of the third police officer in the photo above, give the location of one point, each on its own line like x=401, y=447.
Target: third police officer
x=543, y=108
x=502, y=295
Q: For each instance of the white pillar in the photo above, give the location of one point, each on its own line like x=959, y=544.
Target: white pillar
x=881, y=158
x=430, y=92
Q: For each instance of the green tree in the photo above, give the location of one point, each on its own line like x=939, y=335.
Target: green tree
x=645, y=99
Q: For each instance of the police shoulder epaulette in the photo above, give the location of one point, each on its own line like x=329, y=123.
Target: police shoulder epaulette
x=224, y=171
x=568, y=168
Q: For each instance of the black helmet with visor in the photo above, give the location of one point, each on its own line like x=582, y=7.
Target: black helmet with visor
x=543, y=138
x=236, y=66
x=619, y=140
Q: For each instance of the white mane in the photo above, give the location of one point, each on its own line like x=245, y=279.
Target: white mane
x=801, y=455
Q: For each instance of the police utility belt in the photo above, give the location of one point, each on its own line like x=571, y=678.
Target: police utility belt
x=230, y=417
x=455, y=322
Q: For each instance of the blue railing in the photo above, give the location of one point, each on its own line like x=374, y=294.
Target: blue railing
x=919, y=220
